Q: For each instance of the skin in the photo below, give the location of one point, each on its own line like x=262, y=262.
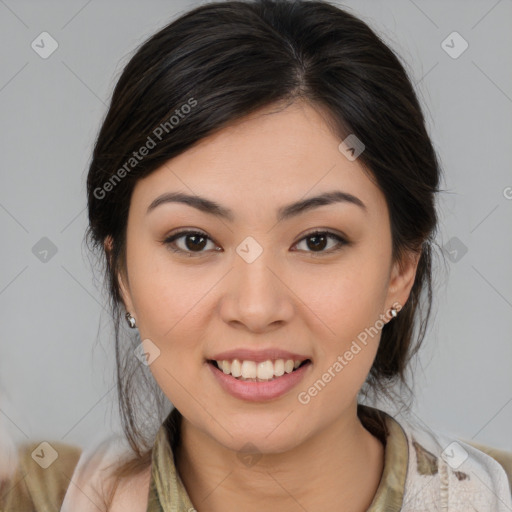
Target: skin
x=309, y=301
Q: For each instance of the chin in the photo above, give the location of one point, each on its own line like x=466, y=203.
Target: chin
x=263, y=436
x=260, y=445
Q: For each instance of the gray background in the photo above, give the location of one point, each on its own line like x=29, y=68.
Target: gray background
x=57, y=383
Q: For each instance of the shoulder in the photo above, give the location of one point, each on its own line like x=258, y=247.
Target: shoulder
x=38, y=476
x=132, y=493
x=460, y=473
x=504, y=458
x=92, y=481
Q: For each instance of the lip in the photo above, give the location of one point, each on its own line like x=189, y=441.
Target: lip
x=259, y=391
x=258, y=356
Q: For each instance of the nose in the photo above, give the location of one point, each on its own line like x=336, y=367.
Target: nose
x=256, y=293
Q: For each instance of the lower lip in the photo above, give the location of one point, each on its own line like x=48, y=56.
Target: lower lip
x=259, y=391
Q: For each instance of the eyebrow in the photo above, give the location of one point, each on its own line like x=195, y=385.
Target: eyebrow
x=283, y=213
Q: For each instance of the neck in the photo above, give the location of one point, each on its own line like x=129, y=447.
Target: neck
x=343, y=463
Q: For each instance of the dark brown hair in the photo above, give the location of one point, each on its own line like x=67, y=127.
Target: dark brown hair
x=220, y=62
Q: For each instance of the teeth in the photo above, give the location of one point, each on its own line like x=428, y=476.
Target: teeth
x=249, y=370
x=288, y=366
x=265, y=370
x=236, y=368
x=279, y=368
x=225, y=366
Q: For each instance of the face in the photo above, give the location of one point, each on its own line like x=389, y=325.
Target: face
x=260, y=280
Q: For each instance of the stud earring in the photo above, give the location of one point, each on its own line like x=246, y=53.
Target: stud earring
x=394, y=312
x=130, y=320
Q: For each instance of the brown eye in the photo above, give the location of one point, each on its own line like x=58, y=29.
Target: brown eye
x=318, y=240
x=193, y=242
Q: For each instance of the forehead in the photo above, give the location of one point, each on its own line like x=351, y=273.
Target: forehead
x=270, y=158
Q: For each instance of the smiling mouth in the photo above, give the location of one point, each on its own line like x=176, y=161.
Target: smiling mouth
x=276, y=374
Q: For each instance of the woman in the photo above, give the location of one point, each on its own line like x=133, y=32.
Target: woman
x=263, y=190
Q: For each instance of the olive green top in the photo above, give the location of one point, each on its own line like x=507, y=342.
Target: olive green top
x=168, y=494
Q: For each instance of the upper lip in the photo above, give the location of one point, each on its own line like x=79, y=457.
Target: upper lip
x=246, y=354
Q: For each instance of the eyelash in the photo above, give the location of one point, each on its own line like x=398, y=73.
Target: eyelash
x=169, y=241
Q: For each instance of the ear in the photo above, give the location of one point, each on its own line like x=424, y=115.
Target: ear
x=125, y=289
x=402, y=278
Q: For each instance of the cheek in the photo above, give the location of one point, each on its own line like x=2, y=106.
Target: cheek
x=172, y=304
x=347, y=297
x=349, y=339
x=168, y=304
x=165, y=294
x=349, y=301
